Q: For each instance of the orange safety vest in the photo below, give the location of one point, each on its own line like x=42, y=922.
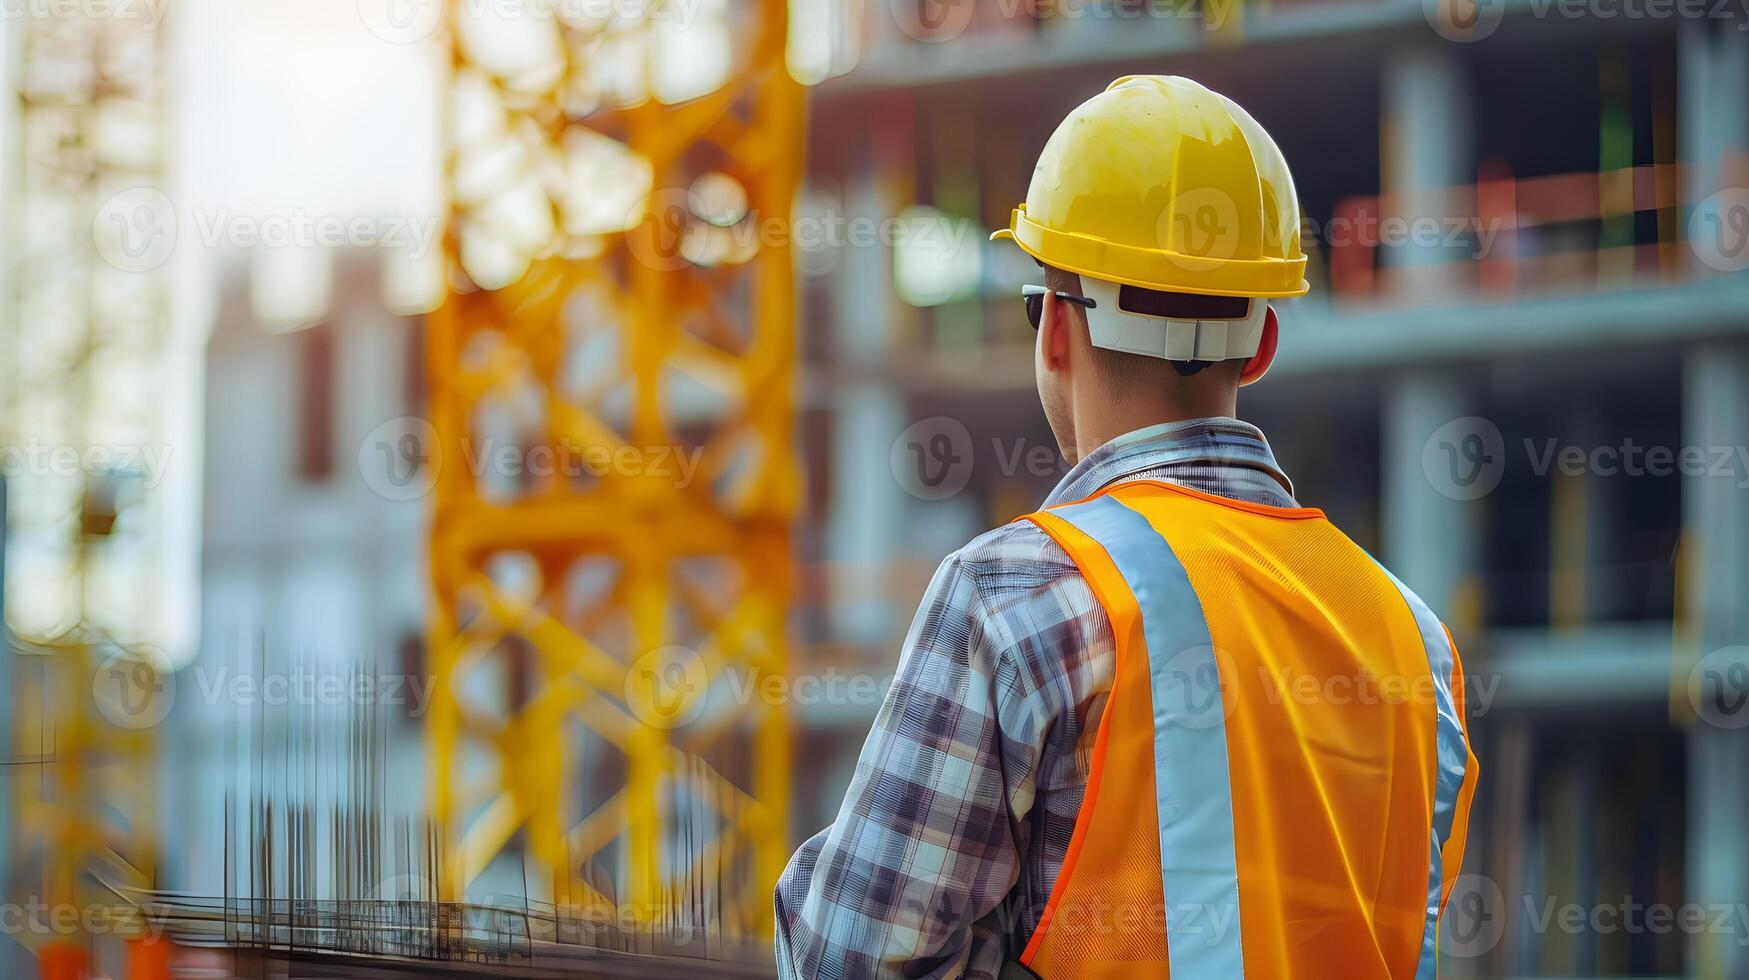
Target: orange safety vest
x=1281, y=779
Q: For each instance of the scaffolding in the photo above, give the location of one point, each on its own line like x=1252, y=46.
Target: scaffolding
x=611, y=450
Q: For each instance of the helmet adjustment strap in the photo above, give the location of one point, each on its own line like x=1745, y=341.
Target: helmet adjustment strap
x=1178, y=339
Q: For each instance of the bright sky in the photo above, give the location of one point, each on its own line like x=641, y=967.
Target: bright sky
x=296, y=104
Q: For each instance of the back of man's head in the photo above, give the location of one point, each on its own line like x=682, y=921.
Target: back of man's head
x=1125, y=372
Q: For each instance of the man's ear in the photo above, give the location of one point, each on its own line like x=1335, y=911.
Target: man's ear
x=1056, y=332
x=1259, y=363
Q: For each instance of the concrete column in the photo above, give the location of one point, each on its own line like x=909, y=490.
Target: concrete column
x=1713, y=124
x=865, y=529
x=1713, y=121
x=1428, y=148
x=1712, y=117
x=868, y=510
x=1439, y=463
x=861, y=299
x=1716, y=539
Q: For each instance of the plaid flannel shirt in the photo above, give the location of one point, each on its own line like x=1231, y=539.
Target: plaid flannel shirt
x=965, y=795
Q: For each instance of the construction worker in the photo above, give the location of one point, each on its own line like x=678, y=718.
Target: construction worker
x=1174, y=722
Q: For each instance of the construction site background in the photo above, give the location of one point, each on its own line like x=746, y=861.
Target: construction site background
x=469, y=467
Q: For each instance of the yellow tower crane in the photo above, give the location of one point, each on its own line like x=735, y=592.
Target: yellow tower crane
x=611, y=425
x=87, y=679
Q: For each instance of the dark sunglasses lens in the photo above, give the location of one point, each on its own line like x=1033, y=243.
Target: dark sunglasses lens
x=1035, y=308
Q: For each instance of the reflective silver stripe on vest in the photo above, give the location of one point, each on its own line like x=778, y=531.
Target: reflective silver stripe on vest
x=1192, y=791
x=1452, y=757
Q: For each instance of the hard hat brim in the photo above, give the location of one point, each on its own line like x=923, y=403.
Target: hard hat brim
x=1156, y=268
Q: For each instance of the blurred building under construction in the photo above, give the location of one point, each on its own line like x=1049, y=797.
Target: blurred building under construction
x=1529, y=234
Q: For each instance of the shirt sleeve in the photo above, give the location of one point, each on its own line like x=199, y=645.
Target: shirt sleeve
x=923, y=846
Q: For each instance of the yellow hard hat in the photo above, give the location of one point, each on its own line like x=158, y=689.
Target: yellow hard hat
x=1161, y=183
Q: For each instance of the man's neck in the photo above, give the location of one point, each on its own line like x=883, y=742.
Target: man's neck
x=1098, y=424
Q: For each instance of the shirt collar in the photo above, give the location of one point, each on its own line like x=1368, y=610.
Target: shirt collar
x=1210, y=442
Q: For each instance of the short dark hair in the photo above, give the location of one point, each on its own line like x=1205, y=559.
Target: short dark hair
x=1122, y=368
